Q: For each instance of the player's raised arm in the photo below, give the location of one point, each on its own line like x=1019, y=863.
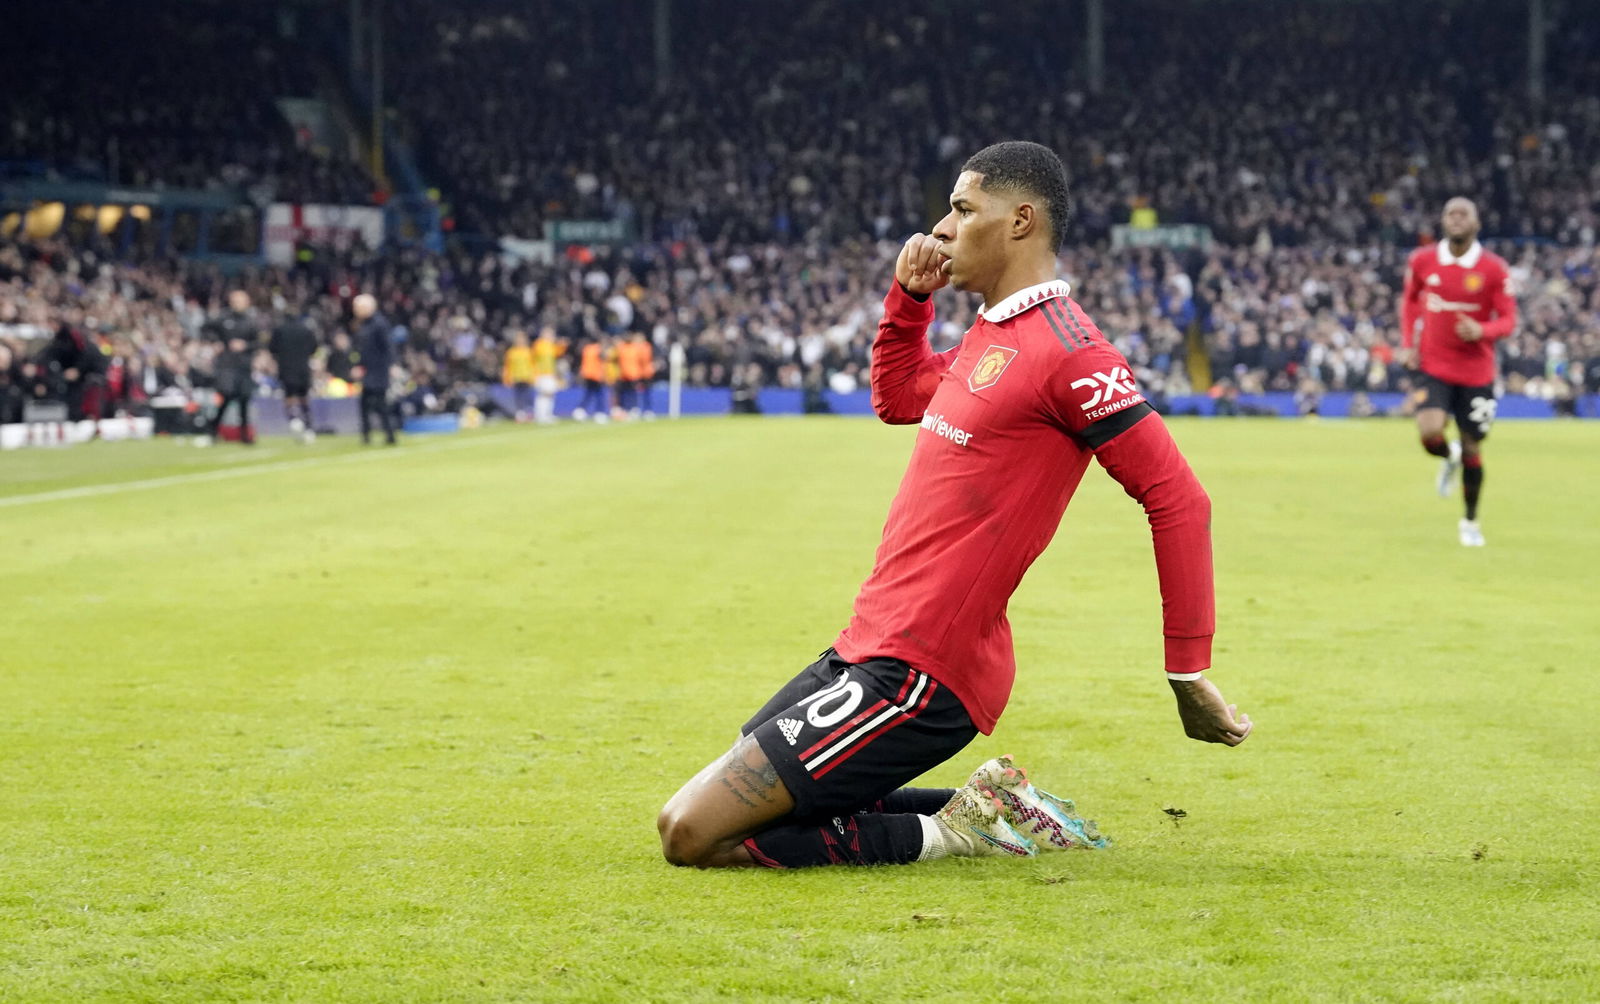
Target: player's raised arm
x=905, y=369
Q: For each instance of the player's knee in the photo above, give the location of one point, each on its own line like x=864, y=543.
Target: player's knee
x=683, y=843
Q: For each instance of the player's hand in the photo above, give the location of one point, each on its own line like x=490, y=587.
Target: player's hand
x=922, y=266
x=1406, y=358
x=1206, y=716
x=1467, y=329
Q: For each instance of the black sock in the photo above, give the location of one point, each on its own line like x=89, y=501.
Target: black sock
x=875, y=838
x=1471, y=483
x=922, y=801
x=1436, y=446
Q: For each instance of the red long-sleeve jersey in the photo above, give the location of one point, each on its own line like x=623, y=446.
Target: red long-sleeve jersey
x=1009, y=421
x=1441, y=288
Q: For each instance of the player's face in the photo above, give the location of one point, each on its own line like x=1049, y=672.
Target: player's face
x=1460, y=220
x=974, y=233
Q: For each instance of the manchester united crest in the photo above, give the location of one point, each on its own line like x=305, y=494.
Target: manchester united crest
x=1473, y=282
x=991, y=363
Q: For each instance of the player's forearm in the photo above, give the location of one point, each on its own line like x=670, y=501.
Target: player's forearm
x=1502, y=325
x=1408, y=324
x=1180, y=526
x=1148, y=465
x=1179, y=512
x=902, y=359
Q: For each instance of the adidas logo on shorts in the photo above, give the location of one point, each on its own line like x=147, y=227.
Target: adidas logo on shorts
x=790, y=729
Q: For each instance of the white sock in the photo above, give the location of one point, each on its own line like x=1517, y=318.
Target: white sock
x=934, y=846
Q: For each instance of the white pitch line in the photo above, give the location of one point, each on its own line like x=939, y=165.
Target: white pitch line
x=118, y=487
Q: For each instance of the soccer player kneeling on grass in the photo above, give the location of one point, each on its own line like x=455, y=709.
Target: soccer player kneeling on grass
x=1009, y=422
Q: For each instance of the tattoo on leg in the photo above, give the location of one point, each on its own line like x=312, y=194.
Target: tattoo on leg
x=741, y=796
x=758, y=782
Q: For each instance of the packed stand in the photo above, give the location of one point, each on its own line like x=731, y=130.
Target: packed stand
x=1298, y=124
x=107, y=335
x=173, y=95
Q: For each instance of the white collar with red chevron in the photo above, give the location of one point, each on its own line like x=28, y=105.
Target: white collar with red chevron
x=1022, y=299
x=1467, y=260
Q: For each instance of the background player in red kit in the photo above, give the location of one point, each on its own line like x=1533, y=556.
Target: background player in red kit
x=1460, y=292
x=1009, y=421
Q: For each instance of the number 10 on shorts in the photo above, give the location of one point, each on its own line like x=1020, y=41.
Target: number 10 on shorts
x=833, y=703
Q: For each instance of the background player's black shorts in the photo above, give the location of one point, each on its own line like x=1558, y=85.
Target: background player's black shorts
x=842, y=735
x=297, y=384
x=1473, y=407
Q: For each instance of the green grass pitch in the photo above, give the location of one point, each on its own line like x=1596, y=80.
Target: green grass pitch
x=323, y=725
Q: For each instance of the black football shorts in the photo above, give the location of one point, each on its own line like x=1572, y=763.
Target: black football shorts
x=1472, y=406
x=842, y=735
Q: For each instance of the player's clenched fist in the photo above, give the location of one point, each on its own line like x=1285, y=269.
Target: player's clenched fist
x=1206, y=716
x=923, y=266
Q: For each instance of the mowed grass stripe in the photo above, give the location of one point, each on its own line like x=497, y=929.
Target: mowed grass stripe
x=241, y=465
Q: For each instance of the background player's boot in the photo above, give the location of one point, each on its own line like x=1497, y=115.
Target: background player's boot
x=1036, y=814
x=974, y=825
x=1471, y=536
x=1448, y=468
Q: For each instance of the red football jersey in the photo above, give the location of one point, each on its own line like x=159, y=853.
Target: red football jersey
x=1009, y=421
x=1440, y=289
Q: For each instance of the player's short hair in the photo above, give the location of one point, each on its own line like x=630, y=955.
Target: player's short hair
x=1020, y=166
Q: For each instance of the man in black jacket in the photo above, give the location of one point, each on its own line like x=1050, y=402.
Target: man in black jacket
x=12, y=386
x=376, y=354
x=239, y=333
x=293, y=344
x=77, y=361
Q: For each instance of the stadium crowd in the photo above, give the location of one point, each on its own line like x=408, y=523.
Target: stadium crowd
x=175, y=96
x=1318, y=150
x=1313, y=124
x=766, y=315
